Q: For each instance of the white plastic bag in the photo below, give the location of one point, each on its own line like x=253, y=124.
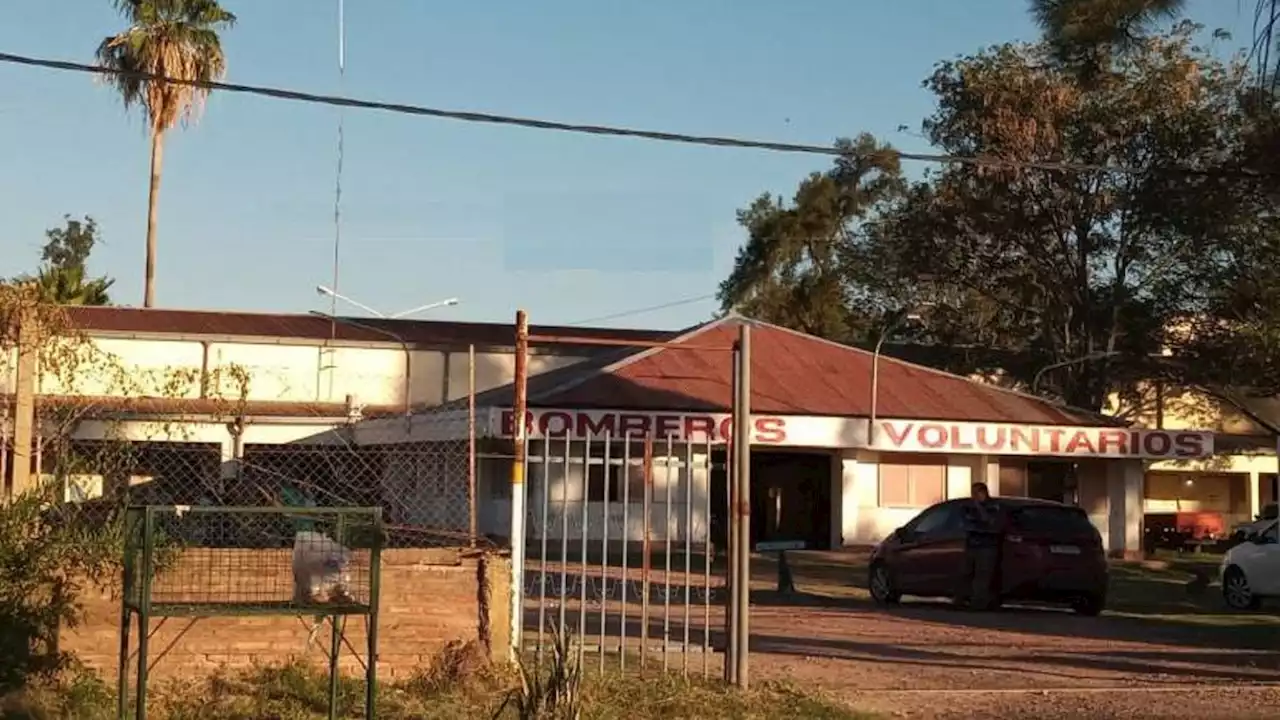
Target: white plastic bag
x=321, y=569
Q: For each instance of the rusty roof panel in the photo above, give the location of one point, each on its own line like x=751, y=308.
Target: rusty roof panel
x=797, y=374
x=144, y=321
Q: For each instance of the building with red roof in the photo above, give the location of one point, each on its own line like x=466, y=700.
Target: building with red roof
x=824, y=474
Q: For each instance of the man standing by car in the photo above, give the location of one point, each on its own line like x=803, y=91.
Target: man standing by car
x=981, y=549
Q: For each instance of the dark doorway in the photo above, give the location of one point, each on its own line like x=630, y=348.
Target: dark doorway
x=1049, y=480
x=790, y=498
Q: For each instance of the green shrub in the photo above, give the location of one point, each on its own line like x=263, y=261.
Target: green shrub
x=46, y=558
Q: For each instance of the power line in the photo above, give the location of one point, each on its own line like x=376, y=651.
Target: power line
x=707, y=140
x=640, y=311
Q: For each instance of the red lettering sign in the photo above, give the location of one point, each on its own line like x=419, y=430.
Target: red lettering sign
x=768, y=430
x=1032, y=440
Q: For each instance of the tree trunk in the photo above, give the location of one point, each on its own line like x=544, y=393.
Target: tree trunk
x=153, y=197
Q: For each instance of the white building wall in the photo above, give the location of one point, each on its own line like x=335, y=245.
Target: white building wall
x=862, y=520
x=1111, y=494
x=285, y=371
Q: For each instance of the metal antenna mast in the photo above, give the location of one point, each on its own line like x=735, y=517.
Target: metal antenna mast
x=337, y=190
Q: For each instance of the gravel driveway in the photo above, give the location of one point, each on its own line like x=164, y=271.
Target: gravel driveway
x=931, y=661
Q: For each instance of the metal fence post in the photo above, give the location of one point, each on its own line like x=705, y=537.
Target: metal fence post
x=517, y=483
x=742, y=508
x=471, y=442
x=731, y=540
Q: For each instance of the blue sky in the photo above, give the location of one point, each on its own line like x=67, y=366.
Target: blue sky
x=568, y=227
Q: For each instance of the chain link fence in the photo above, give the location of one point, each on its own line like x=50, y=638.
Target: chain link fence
x=109, y=429
x=420, y=470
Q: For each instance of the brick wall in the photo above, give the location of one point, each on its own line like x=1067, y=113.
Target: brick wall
x=428, y=598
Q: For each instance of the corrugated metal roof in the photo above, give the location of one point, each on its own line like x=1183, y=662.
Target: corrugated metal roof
x=152, y=321
x=792, y=374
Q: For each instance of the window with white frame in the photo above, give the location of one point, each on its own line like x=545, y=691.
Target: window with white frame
x=912, y=481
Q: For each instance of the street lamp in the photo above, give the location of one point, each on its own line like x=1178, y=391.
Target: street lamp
x=404, y=347
x=1035, y=382
x=909, y=314
x=330, y=292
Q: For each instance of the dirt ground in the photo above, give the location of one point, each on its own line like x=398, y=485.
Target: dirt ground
x=1164, y=652
x=935, y=662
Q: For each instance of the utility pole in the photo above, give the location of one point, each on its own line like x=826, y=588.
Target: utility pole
x=25, y=406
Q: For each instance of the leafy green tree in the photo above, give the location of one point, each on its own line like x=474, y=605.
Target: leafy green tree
x=1085, y=264
x=63, y=276
x=804, y=263
x=171, y=38
x=1087, y=34
x=1076, y=282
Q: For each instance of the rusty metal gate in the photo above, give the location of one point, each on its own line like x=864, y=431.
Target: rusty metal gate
x=614, y=541
x=621, y=548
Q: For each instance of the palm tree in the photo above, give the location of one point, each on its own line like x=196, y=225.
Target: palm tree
x=68, y=286
x=1085, y=33
x=174, y=39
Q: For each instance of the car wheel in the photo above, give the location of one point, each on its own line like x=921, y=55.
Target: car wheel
x=1088, y=605
x=883, y=591
x=1236, y=591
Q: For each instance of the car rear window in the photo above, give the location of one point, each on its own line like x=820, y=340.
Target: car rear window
x=1055, y=520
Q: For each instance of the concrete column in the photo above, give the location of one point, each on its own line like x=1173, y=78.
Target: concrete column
x=837, y=501
x=1255, y=490
x=848, y=498
x=962, y=472
x=989, y=472
x=1124, y=508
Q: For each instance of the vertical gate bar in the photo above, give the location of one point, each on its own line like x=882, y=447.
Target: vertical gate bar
x=128, y=580
x=647, y=544
x=666, y=533
x=730, y=561
x=335, y=637
x=335, y=648
x=371, y=620
x=564, y=535
x=544, y=487
x=706, y=564
x=626, y=548
x=144, y=611
x=688, y=548
x=604, y=547
x=742, y=433
x=518, y=496
x=582, y=577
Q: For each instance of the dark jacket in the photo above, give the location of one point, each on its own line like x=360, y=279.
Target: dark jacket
x=981, y=523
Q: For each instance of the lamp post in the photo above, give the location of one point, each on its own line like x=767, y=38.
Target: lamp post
x=909, y=314
x=330, y=292
x=1035, y=382
x=404, y=347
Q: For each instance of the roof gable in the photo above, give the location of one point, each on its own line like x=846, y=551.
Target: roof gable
x=792, y=374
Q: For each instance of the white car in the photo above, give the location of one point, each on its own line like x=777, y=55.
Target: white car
x=1251, y=570
x=1270, y=511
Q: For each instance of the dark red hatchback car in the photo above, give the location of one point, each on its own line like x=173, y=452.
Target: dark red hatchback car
x=1049, y=552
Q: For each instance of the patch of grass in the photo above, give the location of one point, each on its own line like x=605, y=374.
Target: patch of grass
x=628, y=697
x=458, y=685
x=77, y=693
